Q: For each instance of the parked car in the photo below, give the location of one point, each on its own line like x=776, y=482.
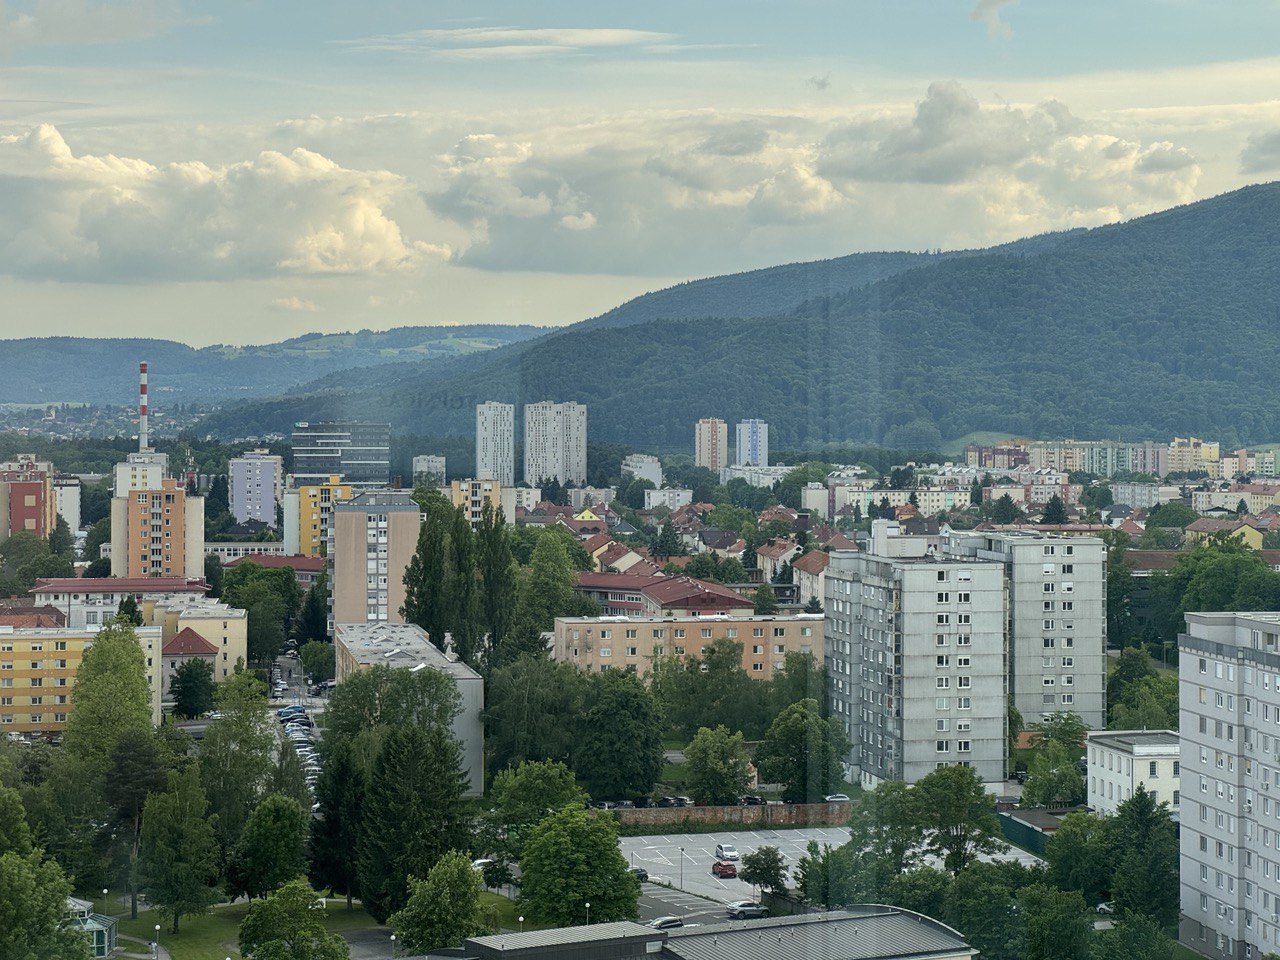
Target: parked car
x=667, y=802
x=684, y=801
x=643, y=802
x=724, y=869
x=640, y=873
x=1107, y=909
x=837, y=798
x=744, y=909
x=751, y=800
x=726, y=851
x=604, y=804
x=665, y=923
x=624, y=805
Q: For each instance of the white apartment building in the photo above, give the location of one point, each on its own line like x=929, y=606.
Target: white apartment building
x=711, y=444
x=915, y=654
x=428, y=470
x=1121, y=761
x=256, y=486
x=642, y=466
x=1057, y=629
x=752, y=446
x=66, y=495
x=762, y=476
x=140, y=471
x=1229, y=722
x=1144, y=496
x=673, y=498
x=495, y=442
x=555, y=442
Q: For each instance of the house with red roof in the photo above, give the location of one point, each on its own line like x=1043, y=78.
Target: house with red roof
x=306, y=570
x=186, y=645
x=809, y=571
x=771, y=555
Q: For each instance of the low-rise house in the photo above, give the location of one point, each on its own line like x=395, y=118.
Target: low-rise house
x=93, y=601
x=809, y=573
x=1206, y=528
x=306, y=570
x=1121, y=761
x=770, y=556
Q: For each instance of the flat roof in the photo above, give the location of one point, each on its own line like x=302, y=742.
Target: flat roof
x=121, y=585
x=1127, y=739
x=567, y=936
x=398, y=645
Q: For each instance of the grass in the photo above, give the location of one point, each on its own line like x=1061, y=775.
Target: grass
x=1185, y=953
x=507, y=912
x=216, y=935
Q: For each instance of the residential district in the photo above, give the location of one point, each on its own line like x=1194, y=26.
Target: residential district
x=280, y=701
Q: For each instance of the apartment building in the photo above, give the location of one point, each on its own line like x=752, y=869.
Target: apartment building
x=643, y=467
x=358, y=453
x=1256, y=496
x=673, y=498
x=1057, y=626
x=27, y=500
x=374, y=537
x=428, y=471
x=1229, y=724
x=256, y=486
x=471, y=496
x=915, y=654
x=496, y=442
x=157, y=532
x=140, y=471
x=555, y=442
x=711, y=444
x=88, y=603
x=360, y=646
x=1193, y=455
x=66, y=498
x=596, y=644
x=197, y=626
x=1121, y=761
x=752, y=446
x=308, y=512
x=1143, y=496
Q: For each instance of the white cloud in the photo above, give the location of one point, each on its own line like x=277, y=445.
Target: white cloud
x=294, y=304
x=504, y=43
x=76, y=22
x=988, y=12
x=109, y=218
x=1262, y=152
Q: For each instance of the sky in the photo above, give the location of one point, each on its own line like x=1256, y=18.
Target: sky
x=249, y=170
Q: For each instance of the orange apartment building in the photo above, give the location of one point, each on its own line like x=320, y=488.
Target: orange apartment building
x=157, y=533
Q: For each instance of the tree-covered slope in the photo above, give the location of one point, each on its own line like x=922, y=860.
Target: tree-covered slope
x=1165, y=325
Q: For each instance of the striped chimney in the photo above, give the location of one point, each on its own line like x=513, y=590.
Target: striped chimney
x=142, y=407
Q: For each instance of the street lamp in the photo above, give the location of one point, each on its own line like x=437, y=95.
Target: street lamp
x=588, y=914
x=521, y=924
x=393, y=945
x=157, y=940
x=682, y=868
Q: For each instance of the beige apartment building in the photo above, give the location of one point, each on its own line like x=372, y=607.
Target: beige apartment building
x=375, y=536
x=157, y=532
x=596, y=644
x=472, y=495
x=209, y=629
x=711, y=444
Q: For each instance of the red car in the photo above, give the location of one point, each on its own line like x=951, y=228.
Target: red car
x=724, y=869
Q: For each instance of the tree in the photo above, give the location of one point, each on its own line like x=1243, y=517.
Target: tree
x=288, y=778
x=1132, y=665
x=669, y=543
x=884, y=830
x=464, y=591
x=766, y=601
x=312, y=623
x=270, y=850
x=128, y=611
x=497, y=571
x=287, y=926
x=1078, y=856
x=523, y=796
x=1054, y=780
x=1055, y=511
x=830, y=876
x=802, y=677
x=137, y=769
x=413, y=814
x=61, y=542
x=15, y=834
x=98, y=534
x=213, y=574
x=716, y=766
x=1004, y=510
x=317, y=660
x=1056, y=924
x=33, y=910
x=957, y=816
x=192, y=688
x=237, y=756
x=803, y=752
x=427, y=601
x=982, y=901
x=531, y=712
x=444, y=909
x=1144, y=850
x=813, y=606
x=764, y=868
x=178, y=854
x=620, y=742
x=1064, y=728
x=570, y=859
x=385, y=696
x=336, y=832
x=1133, y=937
x=1148, y=704
x=110, y=696
x=547, y=591
x=923, y=890
x=98, y=568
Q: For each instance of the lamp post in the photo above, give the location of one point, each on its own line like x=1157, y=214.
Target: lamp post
x=393, y=945
x=588, y=905
x=157, y=941
x=682, y=868
x=521, y=924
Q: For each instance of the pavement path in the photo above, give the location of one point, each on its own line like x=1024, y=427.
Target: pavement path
x=146, y=953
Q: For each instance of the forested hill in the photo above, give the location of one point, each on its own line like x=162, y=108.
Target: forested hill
x=106, y=370
x=1165, y=325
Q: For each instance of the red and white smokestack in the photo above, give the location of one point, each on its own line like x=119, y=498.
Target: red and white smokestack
x=142, y=407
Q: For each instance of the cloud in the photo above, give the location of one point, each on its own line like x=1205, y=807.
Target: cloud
x=79, y=22
x=820, y=83
x=1261, y=152
x=506, y=43
x=294, y=304
x=110, y=218
x=988, y=12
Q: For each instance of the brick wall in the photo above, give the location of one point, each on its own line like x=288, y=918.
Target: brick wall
x=789, y=814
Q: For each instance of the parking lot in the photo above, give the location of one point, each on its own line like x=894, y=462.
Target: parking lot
x=662, y=856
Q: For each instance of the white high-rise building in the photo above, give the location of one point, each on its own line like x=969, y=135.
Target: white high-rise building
x=555, y=443
x=711, y=444
x=1229, y=726
x=428, y=471
x=496, y=442
x=643, y=466
x=256, y=486
x=753, y=444
x=140, y=471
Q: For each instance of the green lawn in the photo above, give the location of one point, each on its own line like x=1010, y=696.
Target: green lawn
x=508, y=912
x=215, y=935
x=1185, y=953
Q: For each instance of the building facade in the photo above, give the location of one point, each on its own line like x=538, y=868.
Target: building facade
x=256, y=485
x=1057, y=628
x=157, y=533
x=428, y=471
x=471, y=496
x=752, y=447
x=66, y=498
x=496, y=442
x=89, y=603
x=358, y=453
x=915, y=654
x=597, y=644
x=308, y=512
x=673, y=498
x=1121, y=761
x=1229, y=724
x=711, y=444
x=360, y=646
x=555, y=443
x=374, y=537
x=140, y=471
x=642, y=466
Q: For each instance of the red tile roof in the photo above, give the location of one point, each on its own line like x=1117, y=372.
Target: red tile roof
x=120, y=585
x=841, y=542
x=688, y=592
x=776, y=549
x=813, y=562
x=596, y=542
x=1210, y=525
x=273, y=561
x=615, y=581
x=188, y=643
x=615, y=553
x=26, y=617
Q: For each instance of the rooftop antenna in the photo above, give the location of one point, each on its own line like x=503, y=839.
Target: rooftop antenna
x=142, y=408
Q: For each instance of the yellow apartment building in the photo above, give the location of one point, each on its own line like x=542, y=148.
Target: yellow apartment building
x=308, y=512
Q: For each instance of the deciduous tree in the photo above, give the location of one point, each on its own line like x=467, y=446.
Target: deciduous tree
x=620, y=740
x=111, y=696
x=957, y=816
x=572, y=859
x=33, y=911
x=287, y=926
x=237, y=756
x=764, y=868
x=192, y=688
x=1054, y=780
x=178, y=854
x=270, y=850
x=803, y=752
x=444, y=909
x=335, y=834
x=716, y=766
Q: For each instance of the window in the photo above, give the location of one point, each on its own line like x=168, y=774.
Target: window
x=943, y=746
x=1152, y=769
x=963, y=597
x=944, y=598
x=964, y=703
x=943, y=683
x=941, y=725
x=963, y=682
x=757, y=631
x=944, y=619
x=962, y=746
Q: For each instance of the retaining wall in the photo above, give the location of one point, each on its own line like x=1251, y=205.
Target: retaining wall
x=785, y=814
